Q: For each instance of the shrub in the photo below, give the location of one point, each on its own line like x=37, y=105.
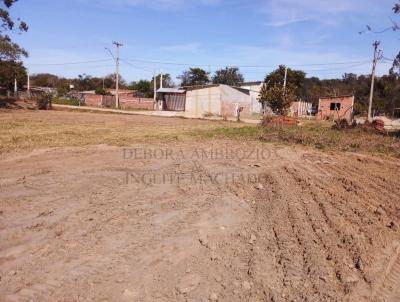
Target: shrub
x=101, y=91
x=343, y=124
x=43, y=101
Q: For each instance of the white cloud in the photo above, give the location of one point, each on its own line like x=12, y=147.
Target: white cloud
x=285, y=12
x=169, y=5
x=186, y=48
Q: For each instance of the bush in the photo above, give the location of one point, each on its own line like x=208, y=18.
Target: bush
x=71, y=102
x=43, y=101
x=102, y=91
x=343, y=124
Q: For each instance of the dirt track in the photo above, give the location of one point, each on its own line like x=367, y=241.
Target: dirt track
x=80, y=224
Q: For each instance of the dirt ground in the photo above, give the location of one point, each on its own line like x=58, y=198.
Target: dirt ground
x=197, y=220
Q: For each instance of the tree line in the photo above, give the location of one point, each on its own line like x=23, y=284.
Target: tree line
x=299, y=87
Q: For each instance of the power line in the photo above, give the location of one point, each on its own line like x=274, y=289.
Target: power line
x=69, y=63
x=136, y=67
x=338, y=68
x=127, y=61
x=244, y=66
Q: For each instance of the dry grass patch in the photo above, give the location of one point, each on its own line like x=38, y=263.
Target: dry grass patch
x=26, y=130
x=319, y=135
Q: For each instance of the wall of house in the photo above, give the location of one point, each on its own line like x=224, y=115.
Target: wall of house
x=231, y=99
x=256, y=106
x=345, y=112
x=203, y=102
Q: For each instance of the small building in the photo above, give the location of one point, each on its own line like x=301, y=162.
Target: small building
x=336, y=107
x=206, y=100
x=217, y=100
x=171, y=99
x=254, y=89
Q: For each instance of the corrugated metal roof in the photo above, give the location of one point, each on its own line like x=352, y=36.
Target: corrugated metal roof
x=170, y=90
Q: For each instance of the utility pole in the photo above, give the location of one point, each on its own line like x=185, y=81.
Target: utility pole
x=284, y=84
x=374, y=62
x=118, y=45
x=15, y=86
x=285, y=80
x=28, y=88
x=155, y=90
x=161, y=79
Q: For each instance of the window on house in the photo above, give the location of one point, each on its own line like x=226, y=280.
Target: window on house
x=335, y=106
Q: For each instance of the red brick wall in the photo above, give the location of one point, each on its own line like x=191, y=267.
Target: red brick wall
x=345, y=112
x=125, y=102
x=93, y=100
x=136, y=103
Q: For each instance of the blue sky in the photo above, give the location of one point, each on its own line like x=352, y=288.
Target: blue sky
x=209, y=33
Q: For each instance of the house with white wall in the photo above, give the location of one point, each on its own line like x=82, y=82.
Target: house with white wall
x=206, y=100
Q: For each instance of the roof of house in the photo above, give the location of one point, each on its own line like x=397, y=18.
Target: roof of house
x=191, y=88
x=88, y=92
x=196, y=87
x=251, y=83
x=171, y=90
x=111, y=91
x=120, y=91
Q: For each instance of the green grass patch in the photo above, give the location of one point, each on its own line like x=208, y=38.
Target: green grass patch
x=71, y=102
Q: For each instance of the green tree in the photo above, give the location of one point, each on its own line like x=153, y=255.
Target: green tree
x=228, y=76
x=101, y=91
x=167, y=81
x=277, y=98
x=10, y=51
x=143, y=86
x=10, y=70
x=194, y=77
x=44, y=80
x=295, y=79
x=396, y=63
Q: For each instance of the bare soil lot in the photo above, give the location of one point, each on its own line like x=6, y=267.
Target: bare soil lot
x=157, y=214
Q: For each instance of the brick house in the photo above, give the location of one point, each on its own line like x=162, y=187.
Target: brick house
x=337, y=107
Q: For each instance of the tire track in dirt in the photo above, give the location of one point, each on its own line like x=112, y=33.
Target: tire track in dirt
x=323, y=264
x=295, y=241
x=324, y=223
x=388, y=288
x=367, y=215
x=356, y=181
